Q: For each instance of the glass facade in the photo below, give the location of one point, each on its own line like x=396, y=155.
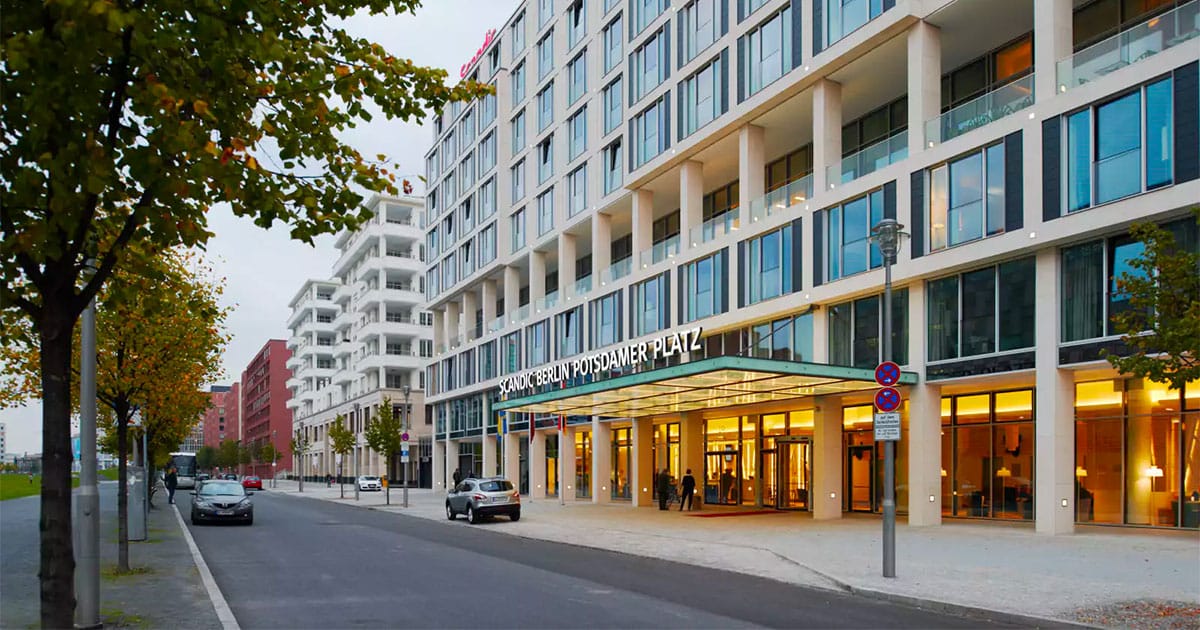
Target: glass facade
x=988, y=455
x=622, y=464
x=982, y=312
x=651, y=308
x=765, y=54
x=847, y=236
x=856, y=331
x=768, y=266
x=966, y=198
x=703, y=284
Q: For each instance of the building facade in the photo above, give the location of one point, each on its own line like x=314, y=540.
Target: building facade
x=221, y=418
x=265, y=414
x=651, y=249
x=363, y=338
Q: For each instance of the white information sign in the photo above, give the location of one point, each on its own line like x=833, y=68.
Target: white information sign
x=887, y=426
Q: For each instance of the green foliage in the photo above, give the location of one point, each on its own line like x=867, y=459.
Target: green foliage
x=267, y=453
x=1162, y=324
x=206, y=458
x=384, y=431
x=341, y=438
x=228, y=454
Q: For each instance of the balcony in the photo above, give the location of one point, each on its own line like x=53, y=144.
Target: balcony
x=1003, y=101
x=582, y=287
x=616, y=271
x=1145, y=40
x=719, y=225
x=547, y=303
x=292, y=383
x=407, y=357
x=782, y=198
x=660, y=251
x=868, y=160
x=520, y=315
x=342, y=376
x=495, y=325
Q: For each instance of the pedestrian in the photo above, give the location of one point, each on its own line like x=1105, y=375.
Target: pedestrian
x=457, y=477
x=171, y=481
x=31, y=478
x=664, y=488
x=689, y=488
x=328, y=480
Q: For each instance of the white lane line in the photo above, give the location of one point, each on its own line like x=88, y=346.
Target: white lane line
x=224, y=613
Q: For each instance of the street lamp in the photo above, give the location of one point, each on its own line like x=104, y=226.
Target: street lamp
x=886, y=235
x=274, y=457
x=404, y=452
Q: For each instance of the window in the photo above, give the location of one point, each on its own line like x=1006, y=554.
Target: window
x=449, y=270
x=487, y=199
x=517, y=31
x=613, y=171
x=449, y=149
x=486, y=244
x=518, y=133
x=431, y=242
x=577, y=128
x=576, y=23
x=466, y=261
x=982, y=312
x=537, y=342
x=545, y=102
x=431, y=167
x=466, y=173
x=765, y=54
x=873, y=128
x=702, y=96
x=487, y=110
x=989, y=453
x=465, y=217
x=848, y=228
x=651, y=310
x=466, y=129
x=518, y=181
x=545, y=212
x=789, y=168
x=570, y=336
x=577, y=191
x=842, y=17
x=650, y=136
x=720, y=201
x=748, y=7
x=517, y=230
x=613, y=39
x=608, y=4
x=487, y=361
x=606, y=320
x=1105, y=157
x=649, y=65
x=487, y=154
x=644, y=12
x=545, y=158
x=700, y=25
x=786, y=339
x=545, y=12
x=545, y=54
x=966, y=198
x=767, y=264
x=986, y=73
x=510, y=353
x=856, y=331
x=612, y=105
x=518, y=84
x=577, y=77
x=704, y=285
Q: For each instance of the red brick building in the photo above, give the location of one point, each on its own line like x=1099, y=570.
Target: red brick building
x=221, y=419
x=265, y=416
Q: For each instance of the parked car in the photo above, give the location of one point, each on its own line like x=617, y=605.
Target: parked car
x=203, y=477
x=229, y=476
x=221, y=500
x=252, y=481
x=369, y=482
x=480, y=498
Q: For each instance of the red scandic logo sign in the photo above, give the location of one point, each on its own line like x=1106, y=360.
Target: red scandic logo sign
x=887, y=399
x=887, y=374
x=487, y=40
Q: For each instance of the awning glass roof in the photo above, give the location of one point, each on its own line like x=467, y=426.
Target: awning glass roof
x=706, y=384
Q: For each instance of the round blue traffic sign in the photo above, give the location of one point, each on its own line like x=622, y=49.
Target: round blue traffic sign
x=887, y=399
x=887, y=374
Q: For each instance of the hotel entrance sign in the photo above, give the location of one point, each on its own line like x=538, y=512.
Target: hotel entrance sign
x=887, y=426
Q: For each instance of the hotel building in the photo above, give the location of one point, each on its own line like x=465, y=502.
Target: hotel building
x=361, y=338
x=703, y=176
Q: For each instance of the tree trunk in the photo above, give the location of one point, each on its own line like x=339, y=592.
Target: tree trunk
x=151, y=480
x=391, y=479
x=122, y=413
x=57, y=555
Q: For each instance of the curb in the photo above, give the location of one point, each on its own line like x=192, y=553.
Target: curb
x=224, y=613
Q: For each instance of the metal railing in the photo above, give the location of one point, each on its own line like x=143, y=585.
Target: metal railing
x=786, y=196
x=616, y=271
x=719, y=225
x=1003, y=101
x=1159, y=33
x=868, y=160
x=660, y=251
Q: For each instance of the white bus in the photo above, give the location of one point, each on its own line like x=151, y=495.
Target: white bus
x=185, y=469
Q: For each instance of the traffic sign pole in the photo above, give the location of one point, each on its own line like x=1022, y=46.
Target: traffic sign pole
x=889, y=447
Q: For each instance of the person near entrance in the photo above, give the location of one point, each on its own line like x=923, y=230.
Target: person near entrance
x=664, y=488
x=689, y=489
x=172, y=481
x=457, y=477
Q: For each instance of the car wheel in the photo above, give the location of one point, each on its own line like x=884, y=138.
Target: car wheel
x=472, y=515
x=250, y=521
x=515, y=516
x=195, y=521
x=450, y=512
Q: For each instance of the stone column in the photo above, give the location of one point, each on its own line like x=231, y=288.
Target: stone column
x=439, y=327
x=827, y=132
x=691, y=202
x=924, y=82
x=752, y=165
x=512, y=292
x=537, y=278
x=566, y=461
x=827, y=458
x=537, y=465
x=691, y=450
x=488, y=299
x=566, y=265
x=1054, y=430
x=601, y=461
x=1052, y=40
x=451, y=461
x=643, y=224
x=512, y=457
x=643, y=462
x=924, y=423
x=491, y=467
x=452, y=325
x=601, y=246
x=470, y=304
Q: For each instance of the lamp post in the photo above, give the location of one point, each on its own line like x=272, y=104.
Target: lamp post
x=886, y=235
x=404, y=456
x=299, y=455
x=274, y=457
x=356, y=420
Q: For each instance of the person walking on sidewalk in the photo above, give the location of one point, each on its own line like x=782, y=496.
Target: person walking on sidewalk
x=664, y=488
x=689, y=489
x=172, y=481
x=457, y=477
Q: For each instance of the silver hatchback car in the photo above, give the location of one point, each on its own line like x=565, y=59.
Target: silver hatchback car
x=479, y=498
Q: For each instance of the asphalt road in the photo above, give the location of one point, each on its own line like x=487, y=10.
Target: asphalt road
x=317, y=564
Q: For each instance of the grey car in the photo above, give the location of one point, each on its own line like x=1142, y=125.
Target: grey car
x=220, y=500
x=480, y=498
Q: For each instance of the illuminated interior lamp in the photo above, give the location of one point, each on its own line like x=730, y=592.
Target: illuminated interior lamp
x=1154, y=471
x=1080, y=471
x=1003, y=472
x=943, y=472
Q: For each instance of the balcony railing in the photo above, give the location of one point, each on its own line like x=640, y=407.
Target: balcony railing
x=496, y=324
x=616, y=271
x=868, y=160
x=580, y=288
x=1147, y=39
x=660, y=251
x=719, y=225
x=1005, y=100
x=520, y=315
x=786, y=196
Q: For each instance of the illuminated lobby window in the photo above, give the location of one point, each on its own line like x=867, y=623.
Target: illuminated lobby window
x=988, y=455
x=583, y=464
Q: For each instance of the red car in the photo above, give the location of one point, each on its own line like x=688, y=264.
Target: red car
x=252, y=482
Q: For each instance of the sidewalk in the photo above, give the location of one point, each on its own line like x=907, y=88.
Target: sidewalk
x=1092, y=576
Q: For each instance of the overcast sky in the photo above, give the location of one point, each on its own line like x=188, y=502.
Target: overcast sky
x=263, y=269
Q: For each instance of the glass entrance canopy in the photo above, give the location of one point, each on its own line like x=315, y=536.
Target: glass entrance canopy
x=711, y=383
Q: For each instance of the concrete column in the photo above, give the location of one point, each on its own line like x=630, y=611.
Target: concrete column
x=827, y=459
x=537, y=276
x=691, y=202
x=566, y=265
x=924, y=82
x=512, y=457
x=820, y=320
x=1054, y=415
x=827, y=131
x=643, y=224
x=691, y=449
x=512, y=291
x=537, y=465
x=1052, y=41
x=924, y=423
x=566, y=461
x=752, y=165
x=601, y=246
x=439, y=327
x=488, y=299
x=452, y=324
x=490, y=465
x=470, y=304
x=601, y=461
x=451, y=461
x=642, y=483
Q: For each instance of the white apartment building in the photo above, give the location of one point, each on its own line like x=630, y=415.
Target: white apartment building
x=363, y=337
x=651, y=250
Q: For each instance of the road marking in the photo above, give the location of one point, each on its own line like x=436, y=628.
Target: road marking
x=224, y=613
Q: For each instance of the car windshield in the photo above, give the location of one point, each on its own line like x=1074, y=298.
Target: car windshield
x=495, y=486
x=213, y=488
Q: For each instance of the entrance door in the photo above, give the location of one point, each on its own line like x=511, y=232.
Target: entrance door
x=721, y=483
x=793, y=475
x=860, y=478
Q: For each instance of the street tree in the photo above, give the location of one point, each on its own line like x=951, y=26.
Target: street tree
x=383, y=435
x=206, y=458
x=124, y=122
x=341, y=440
x=228, y=454
x=269, y=455
x=299, y=446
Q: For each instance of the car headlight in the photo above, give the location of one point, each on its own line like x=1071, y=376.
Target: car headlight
x=202, y=503
x=244, y=502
